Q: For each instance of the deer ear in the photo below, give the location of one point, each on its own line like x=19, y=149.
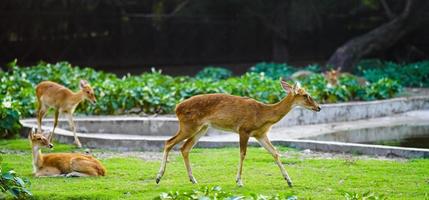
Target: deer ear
x=31, y=134
x=49, y=136
x=288, y=88
x=296, y=87
x=83, y=83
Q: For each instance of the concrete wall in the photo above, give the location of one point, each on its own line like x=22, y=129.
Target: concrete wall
x=168, y=125
x=354, y=111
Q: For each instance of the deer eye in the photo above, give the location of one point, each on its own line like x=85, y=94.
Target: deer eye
x=87, y=92
x=39, y=138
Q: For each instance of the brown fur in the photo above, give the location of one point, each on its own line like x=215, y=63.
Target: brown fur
x=57, y=164
x=63, y=100
x=333, y=75
x=245, y=116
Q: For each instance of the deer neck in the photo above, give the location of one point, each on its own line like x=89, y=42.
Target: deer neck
x=278, y=110
x=77, y=97
x=37, y=158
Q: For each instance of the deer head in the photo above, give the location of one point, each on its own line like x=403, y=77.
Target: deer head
x=87, y=90
x=300, y=97
x=39, y=140
x=332, y=76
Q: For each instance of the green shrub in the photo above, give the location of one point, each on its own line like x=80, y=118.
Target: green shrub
x=216, y=192
x=382, y=89
x=214, y=73
x=9, y=121
x=157, y=93
x=13, y=184
x=410, y=75
x=273, y=70
x=364, y=196
x=349, y=89
x=278, y=70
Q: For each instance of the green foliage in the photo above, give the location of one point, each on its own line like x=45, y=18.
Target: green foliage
x=348, y=89
x=214, y=73
x=13, y=184
x=364, y=196
x=410, y=75
x=216, y=192
x=382, y=89
x=278, y=70
x=273, y=70
x=157, y=93
x=9, y=120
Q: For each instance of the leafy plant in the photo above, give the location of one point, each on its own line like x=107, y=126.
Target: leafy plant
x=278, y=70
x=13, y=184
x=364, y=196
x=154, y=92
x=216, y=192
x=411, y=75
x=214, y=73
x=9, y=120
x=382, y=89
x=273, y=70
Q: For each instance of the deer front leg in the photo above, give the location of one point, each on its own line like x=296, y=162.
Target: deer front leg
x=73, y=127
x=265, y=142
x=244, y=139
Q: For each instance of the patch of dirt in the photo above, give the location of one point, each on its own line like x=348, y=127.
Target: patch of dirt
x=304, y=154
x=8, y=151
x=308, y=154
x=147, y=156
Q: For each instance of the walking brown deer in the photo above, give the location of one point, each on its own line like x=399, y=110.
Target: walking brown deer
x=245, y=116
x=63, y=100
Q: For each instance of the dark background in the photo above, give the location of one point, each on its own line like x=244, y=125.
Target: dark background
x=133, y=36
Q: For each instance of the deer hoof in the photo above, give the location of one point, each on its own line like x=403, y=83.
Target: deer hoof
x=158, y=179
x=239, y=183
x=289, y=182
x=193, y=180
x=78, y=144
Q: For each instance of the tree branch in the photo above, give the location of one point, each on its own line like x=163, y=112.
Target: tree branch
x=179, y=7
x=387, y=9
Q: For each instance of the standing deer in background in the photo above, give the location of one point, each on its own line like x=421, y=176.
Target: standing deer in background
x=63, y=100
x=245, y=116
x=333, y=75
x=61, y=164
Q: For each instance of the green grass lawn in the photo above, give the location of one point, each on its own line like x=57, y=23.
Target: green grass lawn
x=314, y=178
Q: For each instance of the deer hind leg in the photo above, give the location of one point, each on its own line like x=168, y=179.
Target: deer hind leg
x=51, y=136
x=265, y=142
x=244, y=139
x=184, y=132
x=76, y=174
x=41, y=112
x=82, y=167
x=73, y=128
x=187, y=147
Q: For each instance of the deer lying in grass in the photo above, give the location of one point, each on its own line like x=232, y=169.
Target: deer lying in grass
x=61, y=164
x=245, y=116
x=63, y=100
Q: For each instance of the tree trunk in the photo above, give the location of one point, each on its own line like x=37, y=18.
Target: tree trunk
x=380, y=38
